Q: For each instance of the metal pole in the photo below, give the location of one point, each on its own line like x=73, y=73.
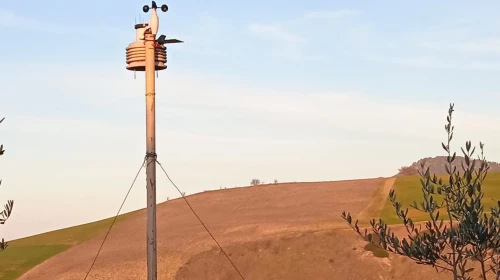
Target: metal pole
x=151, y=155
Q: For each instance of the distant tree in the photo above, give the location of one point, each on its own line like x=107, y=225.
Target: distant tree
x=255, y=182
x=463, y=233
x=5, y=214
x=407, y=171
x=275, y=181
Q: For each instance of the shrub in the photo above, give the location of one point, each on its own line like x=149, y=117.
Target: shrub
x=467, y=233
x=255, y=182
x=5, y=214
x=407, y=171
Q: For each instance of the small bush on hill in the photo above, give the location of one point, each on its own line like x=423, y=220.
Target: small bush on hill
x=255, y=182
x=407, y=171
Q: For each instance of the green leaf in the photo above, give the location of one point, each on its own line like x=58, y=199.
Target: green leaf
x=444, y=147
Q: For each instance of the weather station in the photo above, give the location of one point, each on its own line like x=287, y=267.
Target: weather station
x=149, y=54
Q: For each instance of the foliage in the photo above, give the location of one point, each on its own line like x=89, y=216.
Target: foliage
x=255, y=182
x=467, y=233
x=5, y=214
x=407, y=171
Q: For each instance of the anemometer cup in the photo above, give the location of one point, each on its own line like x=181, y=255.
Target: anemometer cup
x=164, y=8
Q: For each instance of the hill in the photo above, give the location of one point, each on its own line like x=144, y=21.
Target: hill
x=270, y=232
x=437, y=165
x=408, y=189
x=280, y=231
x=25, y=253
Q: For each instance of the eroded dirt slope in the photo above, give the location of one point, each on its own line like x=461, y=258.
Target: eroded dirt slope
x=322, y=255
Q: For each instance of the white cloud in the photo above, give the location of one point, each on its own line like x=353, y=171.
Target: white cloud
x=482, y=46
x=479, y=46
x=291, y=45
x=190, y=93
x=284, y=43
x=330, y=15
x=11, y=20
x=433, y=62
x=435, y=47
x=274, y=32
x=205, y=36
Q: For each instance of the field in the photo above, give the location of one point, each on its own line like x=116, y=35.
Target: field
x=284, y=231
x=24, y=254
x=408, y=189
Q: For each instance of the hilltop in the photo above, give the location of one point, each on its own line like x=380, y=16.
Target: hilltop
x=437, y=165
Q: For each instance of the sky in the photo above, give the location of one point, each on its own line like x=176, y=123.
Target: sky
x=287, y=90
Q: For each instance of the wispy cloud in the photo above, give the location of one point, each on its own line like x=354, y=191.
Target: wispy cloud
x=330, y=15
x=285, y=44
x=9, y=19
x=204, y=93
x=206, y=35
x=456, y=47
x=293, y=45
x=463, y=39
x=432, y=62
x=274, y=32
x=478, y=46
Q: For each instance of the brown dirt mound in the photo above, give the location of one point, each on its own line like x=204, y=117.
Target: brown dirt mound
x=322, y=255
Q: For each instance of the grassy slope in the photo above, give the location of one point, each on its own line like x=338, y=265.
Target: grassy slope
x=408, y=189
x=24, y=254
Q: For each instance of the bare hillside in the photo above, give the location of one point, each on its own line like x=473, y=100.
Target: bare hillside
x=273, y=232
x=250, y=218
x=437, y=165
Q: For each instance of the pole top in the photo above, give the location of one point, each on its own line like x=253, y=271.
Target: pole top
x=136, y=58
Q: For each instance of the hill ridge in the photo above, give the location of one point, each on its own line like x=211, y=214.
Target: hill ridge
x=437, y=165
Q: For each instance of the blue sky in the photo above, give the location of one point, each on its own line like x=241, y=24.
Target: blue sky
x=292, y=90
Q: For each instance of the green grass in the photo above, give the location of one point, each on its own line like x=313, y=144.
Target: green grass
x=408, y=189
x=24, y=254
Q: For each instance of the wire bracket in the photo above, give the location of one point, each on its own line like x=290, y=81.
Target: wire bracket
x=151, y=155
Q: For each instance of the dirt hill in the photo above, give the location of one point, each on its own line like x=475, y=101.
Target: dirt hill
x=273, y=232
x=437, y=165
